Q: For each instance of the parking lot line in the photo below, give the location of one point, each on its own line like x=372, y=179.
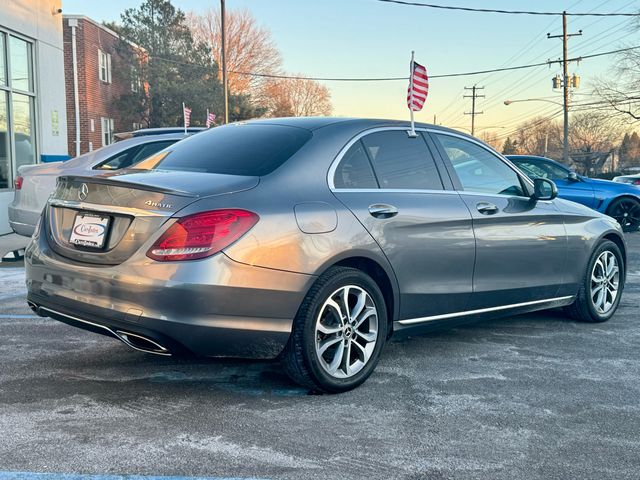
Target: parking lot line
x=80, y=476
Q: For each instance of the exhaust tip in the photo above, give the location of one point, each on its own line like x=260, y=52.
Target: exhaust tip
x=35, y=309
x=144, y=344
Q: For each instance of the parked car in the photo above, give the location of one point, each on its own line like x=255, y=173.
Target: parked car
x=628, y=179
x=34, y=183
x=315, y=240
x=618, y=200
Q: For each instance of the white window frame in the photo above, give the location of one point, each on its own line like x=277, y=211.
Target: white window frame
x=7, y=90
x=104, y=66
x=106, y=130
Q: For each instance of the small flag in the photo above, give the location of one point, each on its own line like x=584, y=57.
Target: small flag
x=418, y=87
x=186, y=111
x=211, y=119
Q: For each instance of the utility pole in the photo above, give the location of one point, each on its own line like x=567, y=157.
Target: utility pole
x=473, y=112
x=565, y=82
x=223, y=55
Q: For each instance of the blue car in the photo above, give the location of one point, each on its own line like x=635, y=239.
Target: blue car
x=618, y=200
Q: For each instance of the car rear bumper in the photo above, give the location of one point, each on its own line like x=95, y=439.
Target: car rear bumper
x=23, y=222
x=213, y=307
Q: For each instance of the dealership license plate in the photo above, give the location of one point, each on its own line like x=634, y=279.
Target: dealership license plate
x=89, y=230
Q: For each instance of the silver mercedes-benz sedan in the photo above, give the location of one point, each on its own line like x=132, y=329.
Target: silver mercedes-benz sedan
x=34, y=183
x=314, y=240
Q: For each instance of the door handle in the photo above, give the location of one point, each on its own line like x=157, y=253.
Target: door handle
x=382, y=210
x=487, y=208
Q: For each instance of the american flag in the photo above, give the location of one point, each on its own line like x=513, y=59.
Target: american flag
x=211, y=119
x=187, y=115
x=418, y=87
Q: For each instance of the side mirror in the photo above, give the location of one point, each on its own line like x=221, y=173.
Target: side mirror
x=573, y=177
x=544, y=189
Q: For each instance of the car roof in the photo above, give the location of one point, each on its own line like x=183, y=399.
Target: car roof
x=315, y=123
x=143, y=132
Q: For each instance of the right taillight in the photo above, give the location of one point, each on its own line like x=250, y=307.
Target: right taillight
x=202, y=234
x=636, y=182
x=17, y=183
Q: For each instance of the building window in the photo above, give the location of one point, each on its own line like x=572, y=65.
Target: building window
x=104, y=66
x=18, y=144
x=136, y=84
x=106, y=125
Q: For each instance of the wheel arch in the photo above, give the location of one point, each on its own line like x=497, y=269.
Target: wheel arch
x=619, y=241
x=607, y=203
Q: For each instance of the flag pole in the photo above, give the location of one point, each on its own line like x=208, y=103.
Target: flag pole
x=412, y=133
x=184, y=119
x=207, y=119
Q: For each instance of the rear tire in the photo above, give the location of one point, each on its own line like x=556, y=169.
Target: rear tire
x=334, y=348
x=601, y=287
x=626, y=211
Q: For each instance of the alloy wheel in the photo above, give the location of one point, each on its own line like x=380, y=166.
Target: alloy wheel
x=346, y=331
x=627, y=213
x=605, y=282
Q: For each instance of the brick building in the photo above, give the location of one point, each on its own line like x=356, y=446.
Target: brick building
x=92, y=113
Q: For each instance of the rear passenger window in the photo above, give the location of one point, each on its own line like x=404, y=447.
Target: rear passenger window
x=354, y=170
x=400, y=161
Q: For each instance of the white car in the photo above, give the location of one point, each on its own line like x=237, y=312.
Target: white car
x=35, y=183
x=630, y=179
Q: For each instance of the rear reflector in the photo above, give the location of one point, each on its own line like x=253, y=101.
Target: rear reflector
x=17, y=183
x=202, y=234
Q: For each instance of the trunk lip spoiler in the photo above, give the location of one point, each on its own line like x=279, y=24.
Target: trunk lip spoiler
x=125, y=184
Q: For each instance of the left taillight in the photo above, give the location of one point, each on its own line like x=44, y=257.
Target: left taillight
x=17, y=183
x=202, y=234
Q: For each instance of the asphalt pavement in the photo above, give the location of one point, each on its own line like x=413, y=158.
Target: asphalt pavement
x=534, y=397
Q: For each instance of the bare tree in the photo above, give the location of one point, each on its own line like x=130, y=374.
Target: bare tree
x=592, y=136
x=297, y=97
x=249, y=47
x=620, y=91
x=539, y=136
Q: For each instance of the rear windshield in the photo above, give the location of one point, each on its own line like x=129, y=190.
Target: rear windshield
x=237, y=149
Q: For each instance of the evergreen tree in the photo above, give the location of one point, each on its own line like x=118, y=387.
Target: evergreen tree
x=509, y=147
x=624, y=149
x=158, y=55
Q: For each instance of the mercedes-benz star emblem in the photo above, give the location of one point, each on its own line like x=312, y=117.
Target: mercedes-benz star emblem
x=83, y=192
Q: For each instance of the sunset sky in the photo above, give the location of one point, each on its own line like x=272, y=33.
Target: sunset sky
x=367, y=38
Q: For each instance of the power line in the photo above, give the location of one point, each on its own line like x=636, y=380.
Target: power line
x=392, y=79
x=510, y=12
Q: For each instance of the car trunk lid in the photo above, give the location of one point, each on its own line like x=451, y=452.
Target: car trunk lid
x=132, y=206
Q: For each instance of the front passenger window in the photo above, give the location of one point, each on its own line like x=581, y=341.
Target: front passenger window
x=478, y=169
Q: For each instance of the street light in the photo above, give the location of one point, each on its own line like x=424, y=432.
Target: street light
x=509, y=102
x=565, y=154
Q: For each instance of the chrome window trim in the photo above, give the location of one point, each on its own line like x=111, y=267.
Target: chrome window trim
x=334, y=165
x=355, y=139
x=393, y=190
x=412, y=321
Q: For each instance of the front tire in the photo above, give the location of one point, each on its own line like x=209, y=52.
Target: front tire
x=338, y=333
x=601, y=287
